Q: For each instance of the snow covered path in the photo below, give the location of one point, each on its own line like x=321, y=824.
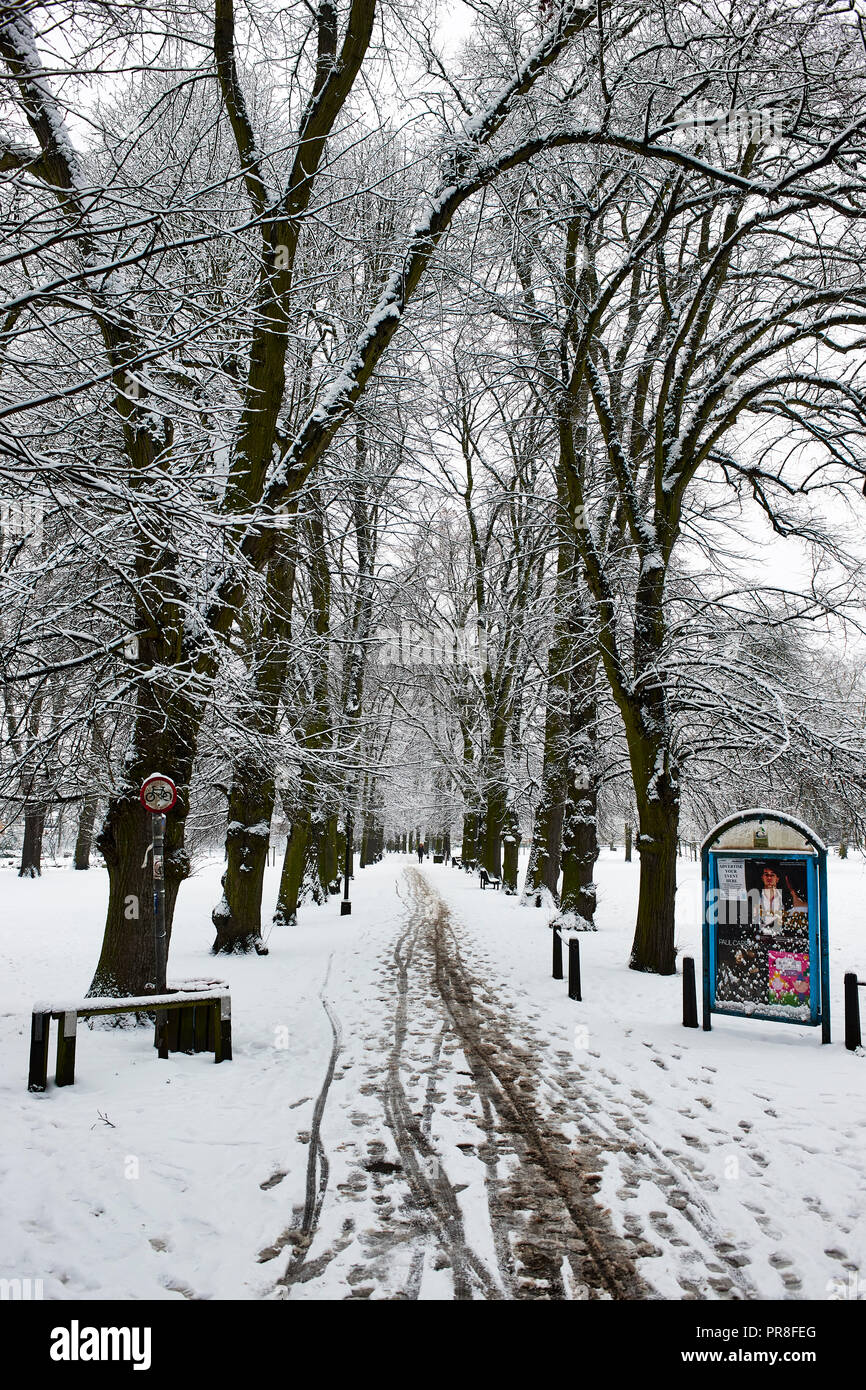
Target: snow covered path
x=416, y=1110
x=472, y=1193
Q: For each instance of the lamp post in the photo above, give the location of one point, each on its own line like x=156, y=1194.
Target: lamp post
x=345, y=905
x=158, y=794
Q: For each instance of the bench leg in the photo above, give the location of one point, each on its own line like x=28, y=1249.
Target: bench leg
x=222, y=1025
x=160, y=1034
x=40, y=1029
x=66, y=1029
x=172, y=1029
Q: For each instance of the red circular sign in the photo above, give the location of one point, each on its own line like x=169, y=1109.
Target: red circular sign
x=158, y=793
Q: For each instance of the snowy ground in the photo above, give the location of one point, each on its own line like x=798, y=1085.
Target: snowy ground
x=416, y=1110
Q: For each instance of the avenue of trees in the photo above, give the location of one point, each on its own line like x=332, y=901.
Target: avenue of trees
x=411, y=430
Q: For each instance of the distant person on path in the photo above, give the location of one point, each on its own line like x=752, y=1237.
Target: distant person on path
x=420, y=852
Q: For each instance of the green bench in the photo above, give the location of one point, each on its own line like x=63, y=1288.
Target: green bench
x=186, y=1021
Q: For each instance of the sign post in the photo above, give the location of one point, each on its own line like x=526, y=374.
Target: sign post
x=158, y=794
x=345, y=905
x=765, y=939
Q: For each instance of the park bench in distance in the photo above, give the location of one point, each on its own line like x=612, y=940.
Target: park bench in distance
x=187, y=1021
x=487, y=878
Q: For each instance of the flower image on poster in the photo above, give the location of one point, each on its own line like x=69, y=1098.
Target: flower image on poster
x=762, y=944
x=789, y=977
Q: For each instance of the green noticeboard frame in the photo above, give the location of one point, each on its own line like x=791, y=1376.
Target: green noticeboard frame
x=737, y=850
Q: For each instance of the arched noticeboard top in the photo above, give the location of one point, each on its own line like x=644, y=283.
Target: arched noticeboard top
x=760, y=828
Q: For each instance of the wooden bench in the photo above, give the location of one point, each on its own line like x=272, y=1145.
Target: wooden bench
x=487, y=878
x=187, y=1021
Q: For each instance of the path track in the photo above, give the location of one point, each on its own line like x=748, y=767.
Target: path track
x=460, y=1114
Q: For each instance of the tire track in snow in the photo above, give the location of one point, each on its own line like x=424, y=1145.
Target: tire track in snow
x=432, y=1192
x=318, y=1167
x=567, y=1230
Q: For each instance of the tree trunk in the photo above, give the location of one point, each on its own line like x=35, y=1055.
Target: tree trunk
x=469, y=841
x=238, y=916
x=328, y=864
x=84, y=839
x=496, y=807
x=579, y=853
x=286, y=912
x=510, y=858
x=656, y=783
x=311, y=882
x=31, y=850
x=545, y=855
x=658, y=816
x=164, y=740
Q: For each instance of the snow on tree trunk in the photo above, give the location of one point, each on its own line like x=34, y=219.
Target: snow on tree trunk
x=238, y=916
x=579, y=853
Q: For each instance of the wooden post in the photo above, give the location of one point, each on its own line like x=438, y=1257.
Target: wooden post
x=40, y=1029
x=574, y=969
x=557, y=954
x=690, y=996
x=161, y=1031
x=223, y=1029
x=66, y=1028
x=852, y=1013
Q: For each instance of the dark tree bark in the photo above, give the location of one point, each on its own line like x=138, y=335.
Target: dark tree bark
x=238, y=916
x=84, y=838
x=286, y=913
x=164, y=741
x=511, y=847
x=31, y=849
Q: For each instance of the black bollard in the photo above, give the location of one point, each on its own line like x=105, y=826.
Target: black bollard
x=574, y=968
x=557, y=954
x=690, y=996
x=852, y=1013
